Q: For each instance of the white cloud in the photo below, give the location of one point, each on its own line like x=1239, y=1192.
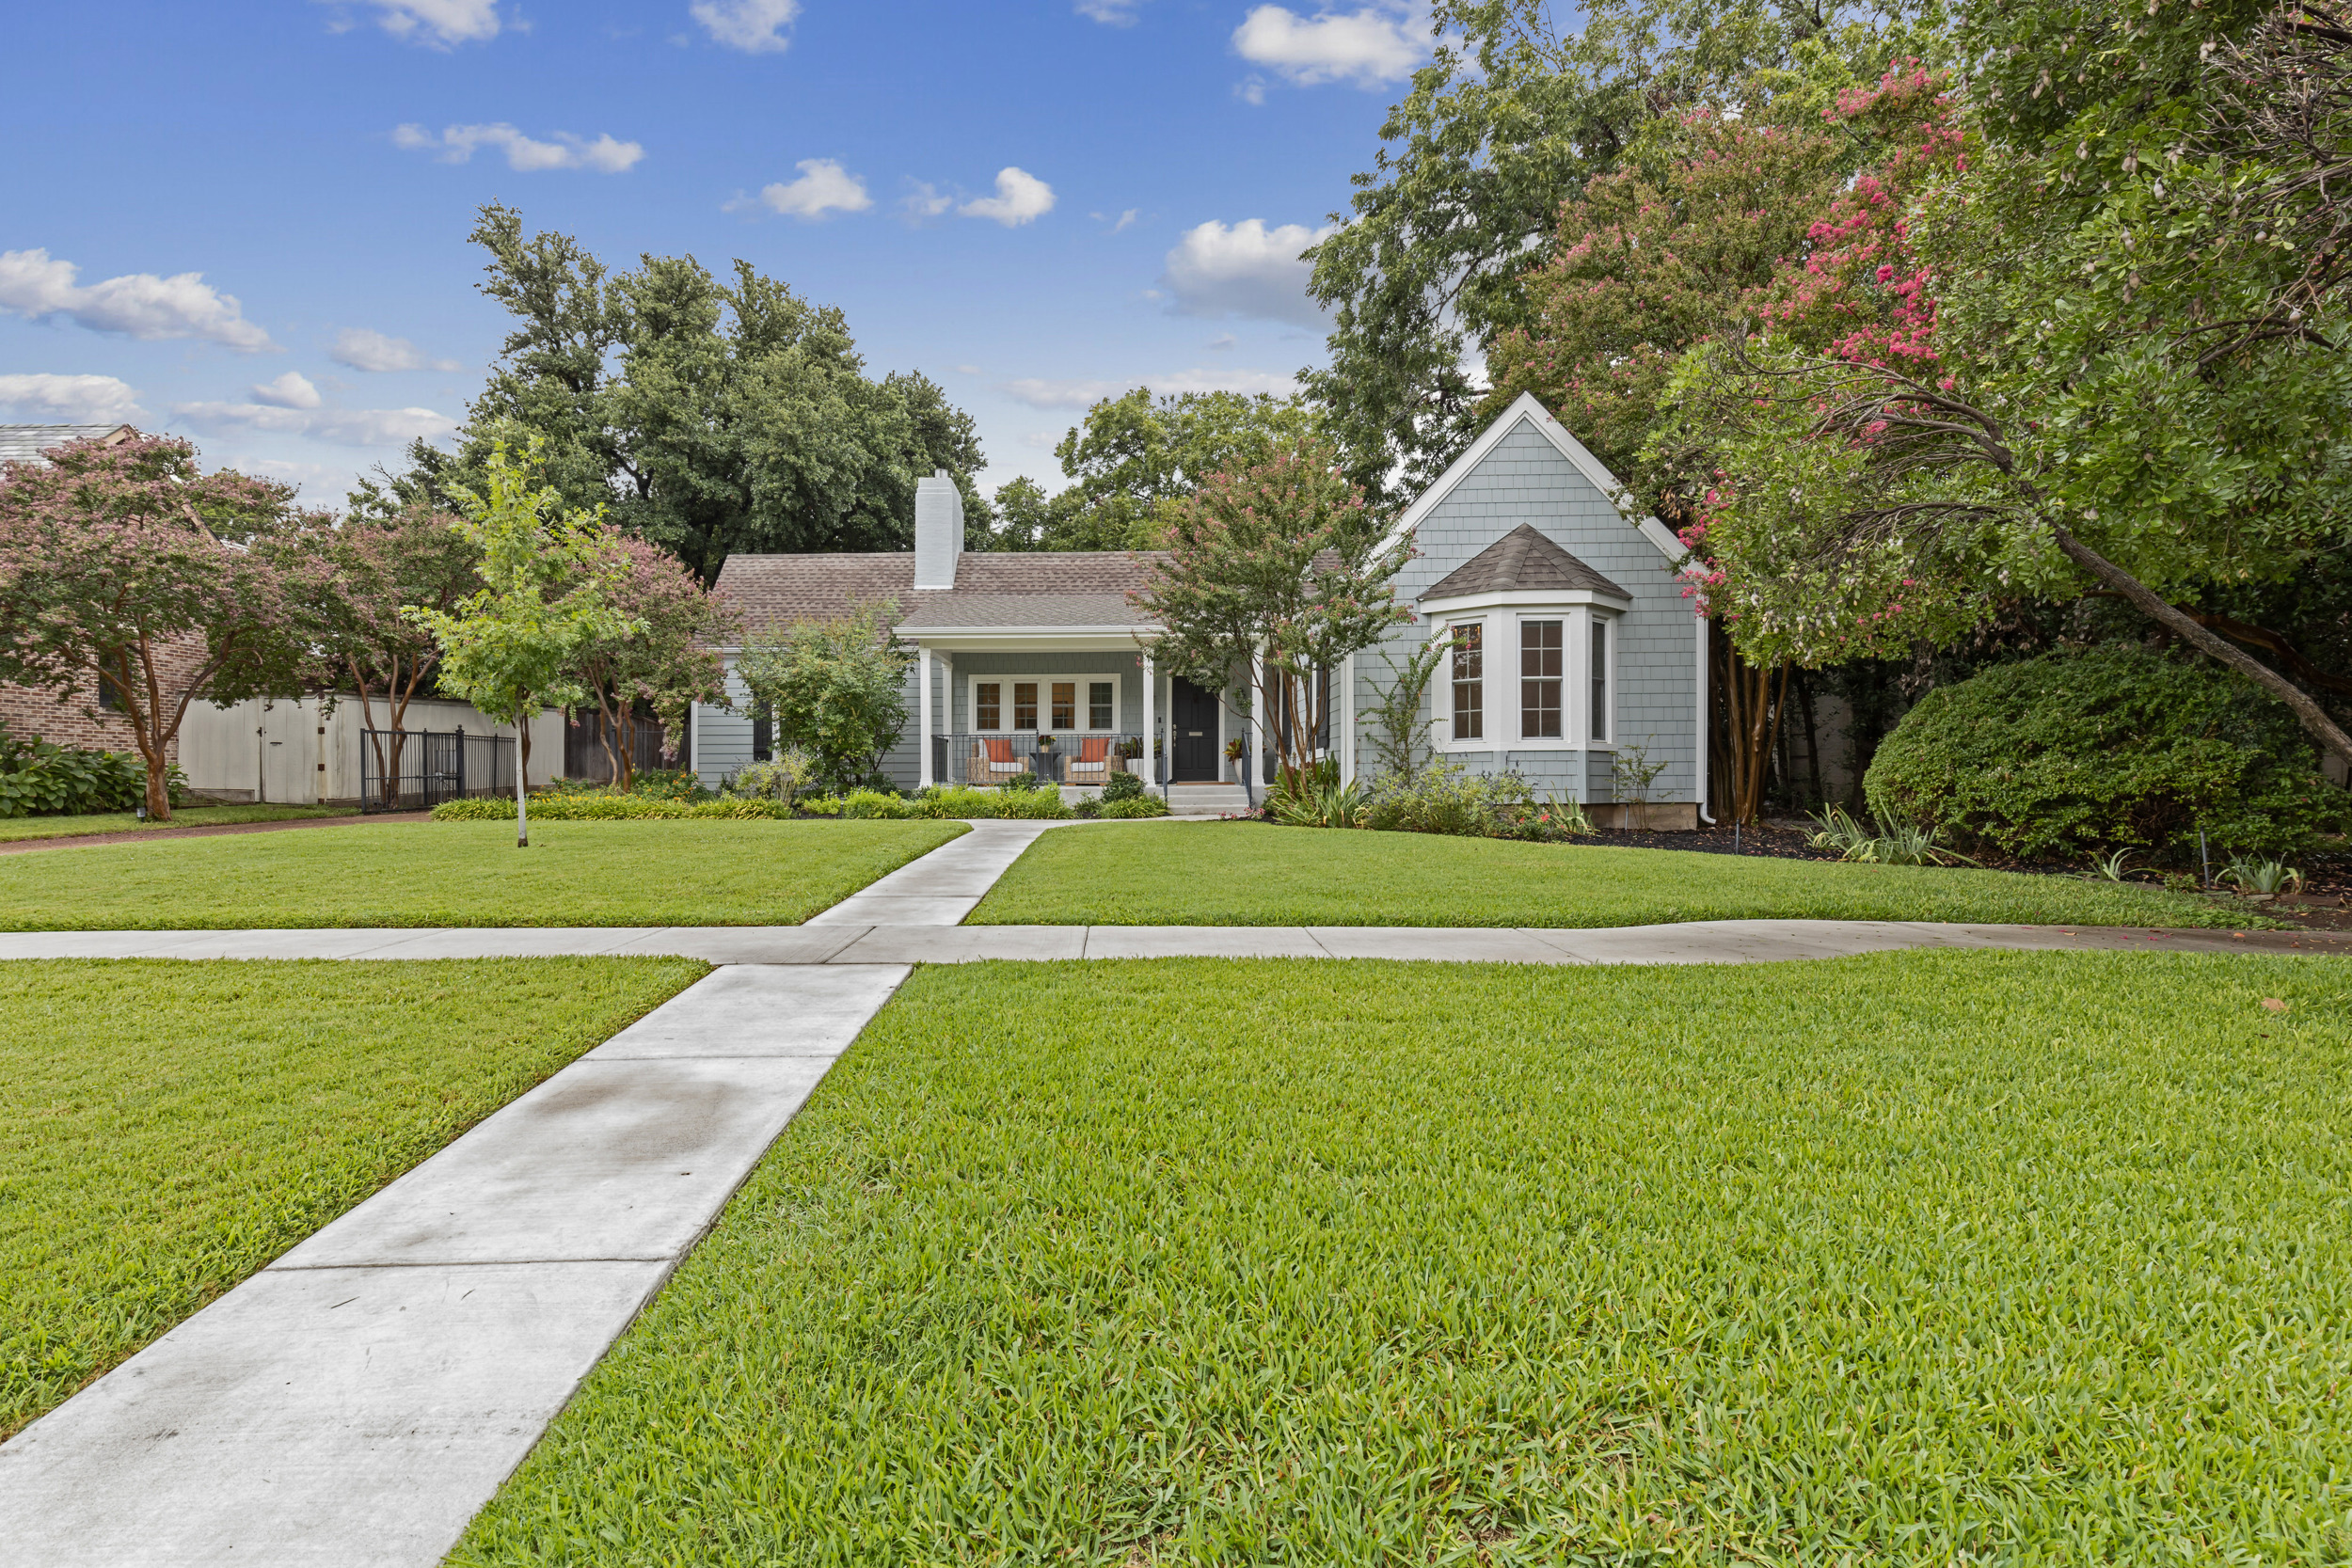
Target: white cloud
x=1062, y=394
x=1081, y=393
x=1249, y=382
x=1126, y=221
x=754, y=27
x=456, y=144
x=1247, y=270
x=1220, y=342
x=138, y=305
x=349, y=427
x=1020, y=197
x=1118, y=13
x=926, y=200
x=73, y=398
x=824, y=187
x=363, y=349
x=291, y=390
x=1370, y=47
x=437, y=23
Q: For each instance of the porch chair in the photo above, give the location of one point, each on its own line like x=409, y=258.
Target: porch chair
x=991, y=760
x=1092, y=764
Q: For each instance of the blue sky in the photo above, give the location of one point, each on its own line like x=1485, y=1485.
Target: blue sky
x=246, y=222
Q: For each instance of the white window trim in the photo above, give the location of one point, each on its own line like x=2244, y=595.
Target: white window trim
x=1500, y=614
x=971, y=683
x=1439, y=630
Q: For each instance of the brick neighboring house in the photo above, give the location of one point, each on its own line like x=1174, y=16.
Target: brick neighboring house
x=82, y=719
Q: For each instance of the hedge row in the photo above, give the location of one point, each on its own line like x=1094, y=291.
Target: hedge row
x=1039, y=805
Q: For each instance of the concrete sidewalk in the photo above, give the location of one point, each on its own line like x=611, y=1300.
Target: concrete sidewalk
x=846, y=942
x=355, y=1401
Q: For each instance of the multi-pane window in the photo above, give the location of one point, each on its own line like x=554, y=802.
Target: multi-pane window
x=1539, y=679
x=1601, y=679
x=987, y=705
x=1024, y=704
x=1065, y=705
x=1469, y=683
x=1099, y=705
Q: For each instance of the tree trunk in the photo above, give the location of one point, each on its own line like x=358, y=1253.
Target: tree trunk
x=522, y=812
x=1753, y=707
x=2315, y=719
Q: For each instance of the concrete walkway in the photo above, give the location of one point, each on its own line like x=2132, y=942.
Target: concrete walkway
x=845, y=943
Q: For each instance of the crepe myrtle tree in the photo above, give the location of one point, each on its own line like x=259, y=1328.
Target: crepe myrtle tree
x=834, y=688
x=1280, y=569
x=130, y=569
x=548, y=580
x=1994, y=378
x=383, y=562
x=669, y=661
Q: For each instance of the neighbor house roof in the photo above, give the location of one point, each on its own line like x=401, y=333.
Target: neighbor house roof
x=1009, y=587
x=1521, y=560
x=21, y=443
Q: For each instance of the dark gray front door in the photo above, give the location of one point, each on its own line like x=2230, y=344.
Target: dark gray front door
x=1192, y=717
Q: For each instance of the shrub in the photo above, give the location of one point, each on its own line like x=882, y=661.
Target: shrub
x=669, y=783
x=38, y=779
x=1022, y=784
x=1139, y=805
x=786, y=778
x=1122, y=787
x=582, y=807
x=2114, y=747
x=1442, y=799
x=1314, y=797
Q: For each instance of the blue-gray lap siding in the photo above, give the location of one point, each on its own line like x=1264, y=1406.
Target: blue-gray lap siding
x=1525, y=478
x=724, y=740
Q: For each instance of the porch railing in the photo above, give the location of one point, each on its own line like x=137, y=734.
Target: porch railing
x=982, y=760
x=418, y=769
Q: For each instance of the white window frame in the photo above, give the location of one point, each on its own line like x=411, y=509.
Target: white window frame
x=971, y=683
x=1443, y=631
x=1500, y=614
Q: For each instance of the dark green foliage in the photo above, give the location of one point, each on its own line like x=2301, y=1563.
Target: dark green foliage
x=2116, y=747
x=1122, y=785
x=38, y=779
x=712, y=416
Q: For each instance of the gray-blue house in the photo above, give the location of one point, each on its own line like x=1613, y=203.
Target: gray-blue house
x=1576, y=640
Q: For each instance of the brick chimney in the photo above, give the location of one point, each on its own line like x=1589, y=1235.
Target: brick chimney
x=938, y=531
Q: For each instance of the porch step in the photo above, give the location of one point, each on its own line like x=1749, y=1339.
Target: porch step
x=1206, y=800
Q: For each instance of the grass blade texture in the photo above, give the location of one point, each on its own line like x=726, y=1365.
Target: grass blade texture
x=1252, y=874
x=17, y=829
x=166, y=1129
x=1918, y=1258
x=464, y=874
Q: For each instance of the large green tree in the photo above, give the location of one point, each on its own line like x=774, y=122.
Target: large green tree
x=1510, y=119
x=1134, y=457
x=708, y=415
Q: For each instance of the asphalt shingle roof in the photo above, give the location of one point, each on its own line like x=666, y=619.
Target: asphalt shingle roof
x=21, y=443
x=1521, y=560
x=1012, y=588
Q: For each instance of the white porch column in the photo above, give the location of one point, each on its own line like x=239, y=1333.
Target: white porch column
x=922, y=701
x=1254, y=764
x=1150, y=715
x=1343, y=722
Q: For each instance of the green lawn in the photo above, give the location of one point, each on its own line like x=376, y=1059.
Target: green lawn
x=1912, y=1258
x=1250, y=874
x=464, y=874
x=15, y=829
x=166, y=1129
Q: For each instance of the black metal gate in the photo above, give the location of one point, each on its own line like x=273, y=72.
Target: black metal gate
x=418, y=769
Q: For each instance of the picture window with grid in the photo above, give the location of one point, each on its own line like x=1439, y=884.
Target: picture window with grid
x=1100, y=710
